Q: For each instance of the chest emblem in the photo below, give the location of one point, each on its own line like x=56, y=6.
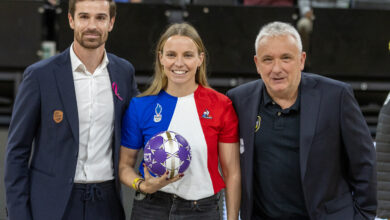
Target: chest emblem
x=258, y=123
x=206, y=114
x=58, y=115
x=157, y=116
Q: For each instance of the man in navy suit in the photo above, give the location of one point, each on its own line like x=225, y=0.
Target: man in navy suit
x=64, y=137
x=306, y=151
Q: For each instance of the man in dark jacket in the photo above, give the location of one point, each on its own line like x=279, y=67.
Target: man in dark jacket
x=306, y=151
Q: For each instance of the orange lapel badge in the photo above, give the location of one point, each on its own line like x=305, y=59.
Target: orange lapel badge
x=58, y=115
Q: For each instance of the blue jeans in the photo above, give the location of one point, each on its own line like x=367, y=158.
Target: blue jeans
x=166, y=206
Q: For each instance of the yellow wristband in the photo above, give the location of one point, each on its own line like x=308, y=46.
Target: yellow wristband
x=135, y=181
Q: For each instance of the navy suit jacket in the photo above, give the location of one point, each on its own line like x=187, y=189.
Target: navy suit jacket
x=337, y=156
x=39, y=176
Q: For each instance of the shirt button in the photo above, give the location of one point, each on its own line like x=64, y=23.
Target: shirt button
x=279, y=113
x=273, y=103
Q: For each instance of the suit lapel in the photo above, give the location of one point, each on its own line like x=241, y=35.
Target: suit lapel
x=251, y=107
x=118, y=86
x=114, y=79
x=248, y=118
x=309, y=107
x=65, y=84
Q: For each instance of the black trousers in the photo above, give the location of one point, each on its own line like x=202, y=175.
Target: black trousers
x=94, y=201
x=258, y=216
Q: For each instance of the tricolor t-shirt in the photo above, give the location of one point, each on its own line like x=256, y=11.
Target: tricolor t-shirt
x=203, y=118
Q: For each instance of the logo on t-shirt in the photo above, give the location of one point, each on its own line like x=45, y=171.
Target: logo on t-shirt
x=206, y=114
x=157, y=116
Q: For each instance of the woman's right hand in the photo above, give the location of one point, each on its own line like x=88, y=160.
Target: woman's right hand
x=153, y=184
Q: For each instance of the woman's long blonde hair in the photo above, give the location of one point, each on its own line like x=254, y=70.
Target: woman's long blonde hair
x=160, y=80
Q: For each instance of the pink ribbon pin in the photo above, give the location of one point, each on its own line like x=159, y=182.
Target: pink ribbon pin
x=115, y=88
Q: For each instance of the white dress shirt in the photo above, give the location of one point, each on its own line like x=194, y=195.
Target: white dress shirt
x=96, y=121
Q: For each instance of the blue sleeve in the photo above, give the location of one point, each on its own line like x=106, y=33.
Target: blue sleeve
x=131, y=131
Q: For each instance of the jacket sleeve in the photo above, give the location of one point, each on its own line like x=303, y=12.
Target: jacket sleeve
x=24, y=125
x=382, y=140
x=133, y=84
x=361, y=156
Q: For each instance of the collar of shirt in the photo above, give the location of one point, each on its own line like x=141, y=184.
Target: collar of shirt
x=79, y=67
x=267, y=101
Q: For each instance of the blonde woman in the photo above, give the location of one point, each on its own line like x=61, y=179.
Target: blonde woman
x=180, y=100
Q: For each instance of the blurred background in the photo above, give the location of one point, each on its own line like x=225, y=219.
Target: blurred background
x=345, y=40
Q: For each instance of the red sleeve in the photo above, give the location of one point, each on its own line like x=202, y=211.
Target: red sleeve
x=229, y=130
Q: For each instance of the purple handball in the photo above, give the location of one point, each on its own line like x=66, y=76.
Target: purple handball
x=167, y=151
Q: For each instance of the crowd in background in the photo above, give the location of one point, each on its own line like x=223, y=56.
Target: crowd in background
x=305, y=9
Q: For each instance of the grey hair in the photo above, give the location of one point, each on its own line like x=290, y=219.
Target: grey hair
x=278, y=28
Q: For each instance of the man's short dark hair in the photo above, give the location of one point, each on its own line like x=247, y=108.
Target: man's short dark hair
x=72, y=7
